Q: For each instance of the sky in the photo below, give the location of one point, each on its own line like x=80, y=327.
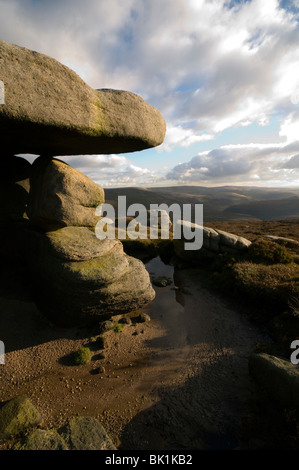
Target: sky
x=223, y=73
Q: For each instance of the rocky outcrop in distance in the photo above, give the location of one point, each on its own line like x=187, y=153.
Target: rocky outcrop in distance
x=214, y=242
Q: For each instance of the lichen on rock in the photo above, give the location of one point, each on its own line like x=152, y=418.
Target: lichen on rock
x=17, y=416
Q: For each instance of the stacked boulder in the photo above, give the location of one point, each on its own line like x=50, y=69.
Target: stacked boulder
x=49, y=111
x=79, y=278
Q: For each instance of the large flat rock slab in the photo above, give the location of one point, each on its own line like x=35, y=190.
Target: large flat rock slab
x=50, y=110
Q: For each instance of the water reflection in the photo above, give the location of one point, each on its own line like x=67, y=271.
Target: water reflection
x=167, y=307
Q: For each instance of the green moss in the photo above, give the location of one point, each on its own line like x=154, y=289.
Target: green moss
x=118, y=328
x=97, y=269
x=82, y=356
x=84, y=433
x=41, y=440
x=100, y=126
x=17, y=416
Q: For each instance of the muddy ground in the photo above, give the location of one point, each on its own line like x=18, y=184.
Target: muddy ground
x=178, y=381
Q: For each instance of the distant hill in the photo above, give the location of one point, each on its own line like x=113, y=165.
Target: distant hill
x=219, y=203
x=269, y=209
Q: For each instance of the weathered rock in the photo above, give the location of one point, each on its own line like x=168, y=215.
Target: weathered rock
x=130, y=292
x=211, y=239
x=50, y=110
x=17, y=416
x=85, y=275
x=229, y=240
x=41, y=440
x=73, y=271
x=105, y=326
x=77, y=244
x=142, y=318
x=191, y=256
x=84, y=433
x=214, y=241
x=279, y=377
x=161, y=217
x=86, y=290
x=61, y=196
x=283, y=239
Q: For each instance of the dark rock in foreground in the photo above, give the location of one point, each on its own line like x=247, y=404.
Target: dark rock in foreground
x=41, y=439
x=17, y=416
x=84, y=433
x=278, y=376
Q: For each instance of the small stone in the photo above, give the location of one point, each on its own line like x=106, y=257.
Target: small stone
x=142, y=318
x=162, y=281
x=100, y=370
x=125, y=320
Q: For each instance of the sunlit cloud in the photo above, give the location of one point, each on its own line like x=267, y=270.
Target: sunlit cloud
x=208, y=66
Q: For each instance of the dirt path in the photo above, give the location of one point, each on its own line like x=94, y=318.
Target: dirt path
x=179, y=381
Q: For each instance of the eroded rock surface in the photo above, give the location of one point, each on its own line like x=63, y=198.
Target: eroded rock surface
x=50, y=110
x=61, y=196
x=214, y=241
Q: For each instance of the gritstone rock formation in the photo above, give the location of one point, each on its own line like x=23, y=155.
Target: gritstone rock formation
x=48, y=216
x=49, y=110
x=214, y=242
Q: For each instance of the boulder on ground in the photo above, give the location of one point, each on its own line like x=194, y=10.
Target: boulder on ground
x=61, y=196
x=50, y=110
x=85, y=433
x=229, y=240
x=279, y=377
x=41, y=439
x=17, y=416
x=214, y=241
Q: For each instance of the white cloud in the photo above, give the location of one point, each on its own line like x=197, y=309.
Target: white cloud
x=289, y=128
x=111, y=170
x=292, y=163
x=206, y=65
x=178, y=136
x=239, y=163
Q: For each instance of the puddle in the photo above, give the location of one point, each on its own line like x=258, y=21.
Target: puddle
x=167, y=384
x=166, y=307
